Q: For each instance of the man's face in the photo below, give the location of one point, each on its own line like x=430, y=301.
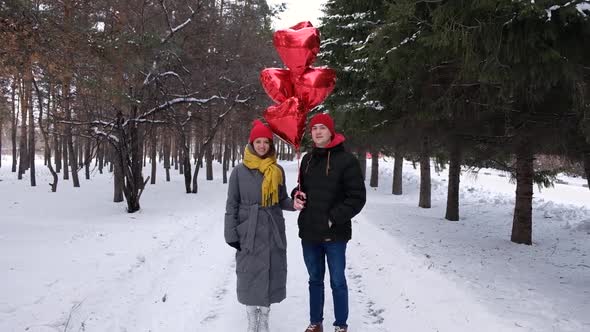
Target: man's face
x=320, y=135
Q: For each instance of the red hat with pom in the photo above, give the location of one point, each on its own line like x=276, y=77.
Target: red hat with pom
x=259, y=129
x=324, y=119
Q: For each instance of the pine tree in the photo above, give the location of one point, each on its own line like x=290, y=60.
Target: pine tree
x=346, y=31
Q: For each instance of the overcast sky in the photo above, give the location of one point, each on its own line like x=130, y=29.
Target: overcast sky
x=297, y=11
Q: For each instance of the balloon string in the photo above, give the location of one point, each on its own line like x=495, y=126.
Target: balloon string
x=298, y=169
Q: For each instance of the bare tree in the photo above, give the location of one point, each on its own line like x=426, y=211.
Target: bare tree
x=45, y=137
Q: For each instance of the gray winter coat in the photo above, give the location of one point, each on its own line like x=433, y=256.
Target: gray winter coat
x=261, y=265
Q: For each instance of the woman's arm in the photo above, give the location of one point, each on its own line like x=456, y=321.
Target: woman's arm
x=285, y=202
x=232, y=207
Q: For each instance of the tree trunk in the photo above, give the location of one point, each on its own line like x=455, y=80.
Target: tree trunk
x=167, y=157
x=587, y=167
x=209, y=148
x=226, y=157
x=73, y=161
x=153, y=156
x=174, y=150
x=134, y=184
x=374, y=182
x=196, y=142
x=145, y=147
x=454, y=179
x=129, y=151
x=118, y=179
x=45, y=138
x=522, y=223
x=186, y=161
x=100, y=157
x=55, y=139
x=204, y=147
x=29, y=96
x=13, y=126
x=69, y=144
x=87, y=159
x=80, y=152
x=209, y=162
x=187, y=171
x=425, y=185
x=24, y=106
x=181, y=159
x=45, y=158
x=58, y=152
x=398, y=165
x=66, y=158
x=362, y=155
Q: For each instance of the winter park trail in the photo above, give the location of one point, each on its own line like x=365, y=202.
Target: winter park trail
x=189, y=285
x=168, y=269
x=377, y=266
x=165, y=291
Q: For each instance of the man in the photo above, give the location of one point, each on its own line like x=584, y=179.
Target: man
x=332, y=192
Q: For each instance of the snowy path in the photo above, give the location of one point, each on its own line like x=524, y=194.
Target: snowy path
x=170, y=288
x=377, y=263
x=78, y=262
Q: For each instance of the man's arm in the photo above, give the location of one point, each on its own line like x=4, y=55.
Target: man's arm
x=355, y=194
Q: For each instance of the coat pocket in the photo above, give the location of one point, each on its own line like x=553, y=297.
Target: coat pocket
x=243, y=214
x=320, y=224
x=242, y=230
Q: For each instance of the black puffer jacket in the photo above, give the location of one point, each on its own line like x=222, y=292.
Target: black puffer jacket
x=335, y=189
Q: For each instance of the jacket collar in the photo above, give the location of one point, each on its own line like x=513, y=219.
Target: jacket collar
x=338, y=139
x=335, y=144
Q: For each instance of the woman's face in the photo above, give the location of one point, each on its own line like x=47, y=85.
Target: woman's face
x=261, y=146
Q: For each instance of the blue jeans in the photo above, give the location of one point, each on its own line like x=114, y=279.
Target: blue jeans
x=314, y=255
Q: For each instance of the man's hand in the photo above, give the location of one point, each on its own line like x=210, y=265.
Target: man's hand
x=299, y=202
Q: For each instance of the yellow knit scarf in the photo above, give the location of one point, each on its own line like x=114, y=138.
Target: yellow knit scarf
x=272, y=175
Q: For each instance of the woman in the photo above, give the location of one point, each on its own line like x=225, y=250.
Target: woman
x=255, y=226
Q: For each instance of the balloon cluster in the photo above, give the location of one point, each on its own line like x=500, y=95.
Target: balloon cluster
x=298, y=88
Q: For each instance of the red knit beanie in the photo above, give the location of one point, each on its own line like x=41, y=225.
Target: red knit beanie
x=324, y=119
x=259, y=130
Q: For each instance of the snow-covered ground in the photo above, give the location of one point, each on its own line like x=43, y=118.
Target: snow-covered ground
x=75, y=261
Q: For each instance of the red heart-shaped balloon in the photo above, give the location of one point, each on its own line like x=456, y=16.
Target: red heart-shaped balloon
x=297, y=46
x=277, y=83
x=314, y=85
x=287, y=120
